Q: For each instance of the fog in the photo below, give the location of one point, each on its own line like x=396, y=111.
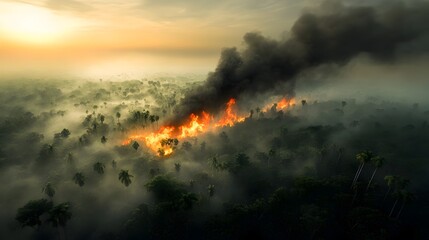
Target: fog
x=346, y=160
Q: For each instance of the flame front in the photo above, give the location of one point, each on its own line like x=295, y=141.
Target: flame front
x=164, y=141
x=285, y=103
x=230, y=117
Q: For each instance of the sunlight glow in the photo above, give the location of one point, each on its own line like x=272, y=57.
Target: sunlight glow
x=31, y=24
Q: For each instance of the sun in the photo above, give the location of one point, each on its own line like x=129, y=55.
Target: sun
x=32, y=24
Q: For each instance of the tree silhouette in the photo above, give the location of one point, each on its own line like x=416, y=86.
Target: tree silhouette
x=211, y=190
x=118, y=115
x=187, y=200
x=363, y=157
x=406, y=198
x=99, y=167
x=29, y=214
x=79, y=179
x=65, y=133
x=59, y=215
x=125, y=177
x=49, y=190
x=378, y=163
x=103, y=139
x=135, y=145
x=390, y=181
x=177, y=166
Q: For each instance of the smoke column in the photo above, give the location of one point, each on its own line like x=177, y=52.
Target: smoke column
x=334, y=34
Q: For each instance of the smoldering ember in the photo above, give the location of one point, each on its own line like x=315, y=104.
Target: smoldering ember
x=214, y=119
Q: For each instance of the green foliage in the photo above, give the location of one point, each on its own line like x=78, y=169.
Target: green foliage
x=79, y=179
x=135, y=145
x=211, y=190
x=240, y=162
x=60, y=214
x=49, y=190
x=99, y=167
x=164, y=188
x=125, y=177
x=177, y=166
x=29, y=214
x=65, y=133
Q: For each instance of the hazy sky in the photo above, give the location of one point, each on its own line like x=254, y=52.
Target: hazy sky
x=107, y=37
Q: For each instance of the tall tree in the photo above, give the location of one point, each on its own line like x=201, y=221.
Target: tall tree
x=99, y=167
x=125, y=177
x=29, y=214
x=49, y=190
x=363, y=157
x=406, y=198
x=211, y=189
x=378, y=163
x=79, y=179
x=103, y=139
x=118, y=115
x=390, y=181
x=59, y=215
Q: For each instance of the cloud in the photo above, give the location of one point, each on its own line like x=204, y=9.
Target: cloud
x=68, y=5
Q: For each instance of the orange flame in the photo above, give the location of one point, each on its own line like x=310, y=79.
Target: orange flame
x=285, y=103
x=229, y=118
x=163, y=141
x=280, y=105
x=195, y=126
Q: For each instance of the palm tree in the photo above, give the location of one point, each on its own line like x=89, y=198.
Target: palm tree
x=152, y=118
x=187, y=200
x=79, y=179
x=125, y=177
x=390, y=181
x=114, y=164
x=406, y=198
x=378, y=163
x=397, y=195
x=69, y=157
x=271, y=155
x=49, y=190
x=400, y=185
x=211, y=189
x=103, y=139
x=29, y=214
x=363, y=157
x=59, y=215
x=135, y=145
x=99, y=167
x=177, y=166
x=118, y=115
x=157, y=119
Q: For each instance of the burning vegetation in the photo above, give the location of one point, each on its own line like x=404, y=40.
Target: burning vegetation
x=165, y=140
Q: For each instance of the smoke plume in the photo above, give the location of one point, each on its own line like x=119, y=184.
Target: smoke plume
x=334, y=34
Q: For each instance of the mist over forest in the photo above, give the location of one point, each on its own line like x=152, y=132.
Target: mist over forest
x=344, y=158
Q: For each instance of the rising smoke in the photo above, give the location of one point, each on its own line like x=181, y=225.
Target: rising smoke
x=333, y=34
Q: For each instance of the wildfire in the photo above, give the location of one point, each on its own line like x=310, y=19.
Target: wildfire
x=280, y=105
x=285, y=103
x=230, y=117
x=165, y=140
x=196, y=125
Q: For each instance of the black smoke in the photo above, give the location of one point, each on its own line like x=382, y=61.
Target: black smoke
x=330, y=35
